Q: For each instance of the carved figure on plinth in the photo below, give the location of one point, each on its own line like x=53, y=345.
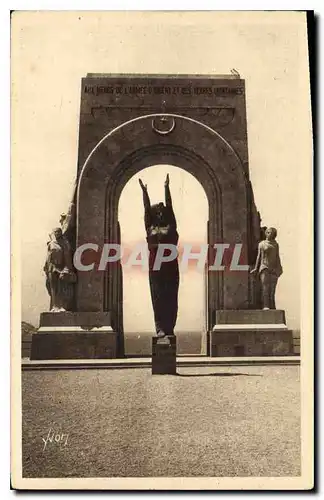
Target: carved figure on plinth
x=60, y=277
x=60, y=274
x=161, y=228
x=268, y=267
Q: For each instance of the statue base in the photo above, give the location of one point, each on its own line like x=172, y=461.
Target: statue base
x=80, y=335
x=251, y=333
x=164, y=355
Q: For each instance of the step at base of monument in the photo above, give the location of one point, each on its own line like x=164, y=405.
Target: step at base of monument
x=254, y=341
x=67, y=344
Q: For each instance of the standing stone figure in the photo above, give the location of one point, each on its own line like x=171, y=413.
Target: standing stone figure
x=268, y=266
x=161, y=228
x=58, y=268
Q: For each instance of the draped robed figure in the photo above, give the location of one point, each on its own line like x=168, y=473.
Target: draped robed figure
x=161, y=228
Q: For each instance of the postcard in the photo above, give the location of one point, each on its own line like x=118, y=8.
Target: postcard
x=162, y=207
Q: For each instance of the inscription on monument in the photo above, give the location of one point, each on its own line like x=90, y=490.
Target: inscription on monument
x=161, y=90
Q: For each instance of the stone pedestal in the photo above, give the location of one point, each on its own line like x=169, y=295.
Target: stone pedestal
x=188, y=343
x=164, y=355
x=251, y=333
x=250, y=316
x=81, y=335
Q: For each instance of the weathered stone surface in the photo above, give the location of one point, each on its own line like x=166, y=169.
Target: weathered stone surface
x=74, y=345
x=250, y=316
x=83, y=319
x=109, y=100
x=252, y=342
x=164, y=356
x=75, y=335
x=189, y=343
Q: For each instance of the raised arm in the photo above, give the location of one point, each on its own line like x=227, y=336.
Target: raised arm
x=168, y=202
x=147, y=205
x=168, y=199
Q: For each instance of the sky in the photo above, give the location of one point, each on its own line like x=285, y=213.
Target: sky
x=52, y=51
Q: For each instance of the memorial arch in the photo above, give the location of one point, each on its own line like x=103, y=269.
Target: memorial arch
x=191, y=217
x=190, y=145
x=197, y=123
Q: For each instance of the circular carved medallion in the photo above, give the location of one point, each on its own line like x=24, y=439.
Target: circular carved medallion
x=163, y=125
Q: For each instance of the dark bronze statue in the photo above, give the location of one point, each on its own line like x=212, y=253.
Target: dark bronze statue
x=161, y=228
x=268, y=266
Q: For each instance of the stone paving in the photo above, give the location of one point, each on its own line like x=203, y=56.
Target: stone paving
x=205, y=421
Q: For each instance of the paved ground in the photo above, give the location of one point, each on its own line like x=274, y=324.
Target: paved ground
x=216, y=421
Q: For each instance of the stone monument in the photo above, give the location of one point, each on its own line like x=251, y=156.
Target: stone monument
x=128, y=123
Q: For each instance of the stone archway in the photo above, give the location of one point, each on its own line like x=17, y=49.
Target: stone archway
x=198, y=149
x=197, y=123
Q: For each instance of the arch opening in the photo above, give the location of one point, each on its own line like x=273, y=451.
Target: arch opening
x=191, y=209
